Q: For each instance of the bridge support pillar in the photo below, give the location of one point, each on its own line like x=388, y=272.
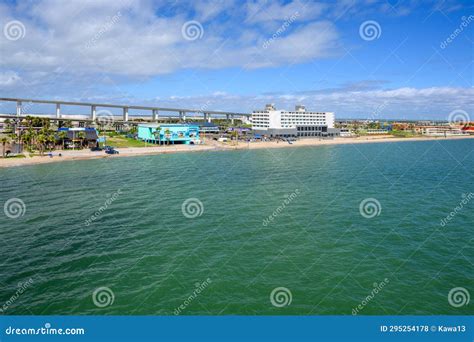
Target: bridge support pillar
x=18, y=108
x=154, y=115
x=125, y=114
x=182, y=116
x=93, y=113
x=232, y=119
x=209, y=118
x=58, y=110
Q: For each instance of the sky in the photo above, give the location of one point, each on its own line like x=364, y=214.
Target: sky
x=357, y=58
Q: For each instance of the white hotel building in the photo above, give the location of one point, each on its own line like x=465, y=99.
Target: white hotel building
x=299, y=123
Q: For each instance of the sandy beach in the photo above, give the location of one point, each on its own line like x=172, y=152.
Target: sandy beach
x=68, y=155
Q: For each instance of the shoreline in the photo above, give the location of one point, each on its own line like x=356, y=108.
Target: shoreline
x=69, y=155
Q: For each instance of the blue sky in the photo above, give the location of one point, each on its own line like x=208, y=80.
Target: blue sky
x=241, y=56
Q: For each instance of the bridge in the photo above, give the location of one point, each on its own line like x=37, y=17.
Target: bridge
x=154, y=111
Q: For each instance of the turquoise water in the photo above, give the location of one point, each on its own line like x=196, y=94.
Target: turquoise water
x=317, y=244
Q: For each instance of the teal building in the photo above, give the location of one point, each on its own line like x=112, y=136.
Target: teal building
x=169, y=133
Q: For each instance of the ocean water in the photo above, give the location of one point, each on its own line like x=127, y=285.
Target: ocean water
x=354, y=229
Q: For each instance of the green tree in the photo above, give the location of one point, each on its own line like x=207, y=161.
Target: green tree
x=168, y=135
x=41, y=141
x=133, y=130
x=13, y=137
x=51, y=140
x=235, y=136
x=4, y=141
x=62, y=135
x=29, y=137
x=8, y=125
x=81, y=136
x=157, y=133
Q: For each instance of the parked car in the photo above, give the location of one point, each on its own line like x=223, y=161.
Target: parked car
x=96, y=148
x=111, y=151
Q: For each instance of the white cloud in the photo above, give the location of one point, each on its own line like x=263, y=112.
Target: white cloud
x=9, y=78
x=262, y=11
x=401, y=103
x=135, y=39
x=80, y=46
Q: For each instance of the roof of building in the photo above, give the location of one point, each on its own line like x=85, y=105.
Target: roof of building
x=204, y=124
x=154, y=125
x=73, y=134
x=77, y=129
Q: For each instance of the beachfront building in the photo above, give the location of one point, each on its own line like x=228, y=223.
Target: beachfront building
x=206, y=127
x=298, y=123
x=440, y=131
x=468, y=129
x=169, y=133
x=375, y=131
x=78, y=137
x=346, y=133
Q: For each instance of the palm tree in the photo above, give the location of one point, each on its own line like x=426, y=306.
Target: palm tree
x=42, y=139
x=4, y=141
x=167, y=134
x=24, y=138
x=8, y=124
x=51, y=140
x=235, y=135
x=81, y=136
x=62, y=135
x=133, y=130
x=13, y=136
x=29, y=137
x=157, y=133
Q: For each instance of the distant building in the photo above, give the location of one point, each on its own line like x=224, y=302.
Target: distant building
x=206, y=127
x=169, y=133
x=439, y=130
x=297, y=123
x=73, y=136
x=377, y=131
x=468, y=129
x=346, y=132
